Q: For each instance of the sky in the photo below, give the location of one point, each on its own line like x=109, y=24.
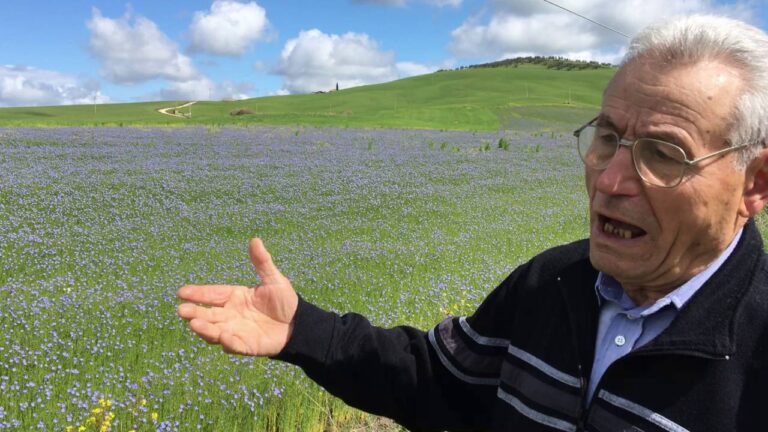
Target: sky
x=98, y=51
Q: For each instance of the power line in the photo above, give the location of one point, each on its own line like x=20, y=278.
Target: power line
x=588, y=19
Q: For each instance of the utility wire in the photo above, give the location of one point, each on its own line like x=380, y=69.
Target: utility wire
x=588, y=19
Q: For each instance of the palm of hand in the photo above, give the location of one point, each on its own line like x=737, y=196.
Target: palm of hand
x=251, y=321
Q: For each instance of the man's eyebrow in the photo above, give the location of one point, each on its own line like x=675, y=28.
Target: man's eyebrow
x=605, y=121
x=664, y=136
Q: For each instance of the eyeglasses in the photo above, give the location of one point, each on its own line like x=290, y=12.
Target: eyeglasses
x=657, y=162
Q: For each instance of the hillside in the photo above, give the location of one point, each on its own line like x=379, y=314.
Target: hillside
x=526, y=97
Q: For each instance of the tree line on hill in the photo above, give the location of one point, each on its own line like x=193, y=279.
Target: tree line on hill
x=550, y=62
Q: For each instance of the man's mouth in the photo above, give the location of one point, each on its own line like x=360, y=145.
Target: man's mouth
x=620, y=229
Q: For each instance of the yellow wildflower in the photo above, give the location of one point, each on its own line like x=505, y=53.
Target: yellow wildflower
x=96, y=410
x=69, y=429
x=154, y=416
x=81, y=429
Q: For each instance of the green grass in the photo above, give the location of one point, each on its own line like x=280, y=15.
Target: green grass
x=528, y=97
x=99, y=227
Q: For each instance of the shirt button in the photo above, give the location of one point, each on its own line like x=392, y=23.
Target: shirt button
x=619, y=341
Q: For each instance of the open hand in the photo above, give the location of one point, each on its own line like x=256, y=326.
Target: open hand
x=252, y=321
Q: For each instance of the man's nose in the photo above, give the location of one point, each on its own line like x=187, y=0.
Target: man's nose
x=620, y=176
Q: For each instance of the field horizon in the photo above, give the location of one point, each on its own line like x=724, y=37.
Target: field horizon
x=528, y=97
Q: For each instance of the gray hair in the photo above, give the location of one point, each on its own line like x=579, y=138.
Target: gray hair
x=706, y=37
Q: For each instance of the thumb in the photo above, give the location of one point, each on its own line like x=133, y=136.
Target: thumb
x=262, y=261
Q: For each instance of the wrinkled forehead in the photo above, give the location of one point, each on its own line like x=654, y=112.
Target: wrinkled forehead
x=693, y=95
x=707, y=78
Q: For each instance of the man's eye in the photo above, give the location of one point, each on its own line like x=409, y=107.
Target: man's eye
x=661, y=153
x=606, y=138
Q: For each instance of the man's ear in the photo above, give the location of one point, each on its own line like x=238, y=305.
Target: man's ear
x=756, y=185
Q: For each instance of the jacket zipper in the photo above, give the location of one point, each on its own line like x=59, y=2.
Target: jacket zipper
x=584, y=406
x=583, y=410
x=581, y=414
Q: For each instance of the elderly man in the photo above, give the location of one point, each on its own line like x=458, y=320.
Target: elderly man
x=658, y=322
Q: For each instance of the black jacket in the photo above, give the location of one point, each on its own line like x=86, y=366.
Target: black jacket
x=522, y=361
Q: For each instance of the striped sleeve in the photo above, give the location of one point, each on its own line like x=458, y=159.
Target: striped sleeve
x=473, y=348
x=469, y=356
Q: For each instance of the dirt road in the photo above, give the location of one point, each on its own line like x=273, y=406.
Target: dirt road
x=174, y=111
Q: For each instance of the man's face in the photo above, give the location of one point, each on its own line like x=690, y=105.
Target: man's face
x=676, y=232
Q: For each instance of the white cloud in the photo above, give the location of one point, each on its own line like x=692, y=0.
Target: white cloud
x=524, y=7
x=198, y=89
x=28, y=86
x=533, y=26
x=547, y=34
x=317, y=61
x=406, y=69
x=229, y=28
x=133, y=50
x=234, y=90
x=204, y=89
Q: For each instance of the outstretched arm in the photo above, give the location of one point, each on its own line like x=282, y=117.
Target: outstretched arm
x=252, y=321
x=393, y=372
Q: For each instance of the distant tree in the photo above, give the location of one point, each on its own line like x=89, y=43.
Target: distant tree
x=550, y=62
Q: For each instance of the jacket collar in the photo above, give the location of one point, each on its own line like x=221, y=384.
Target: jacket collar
x=706, y=324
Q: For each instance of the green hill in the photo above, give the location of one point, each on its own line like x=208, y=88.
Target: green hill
x=529, y=97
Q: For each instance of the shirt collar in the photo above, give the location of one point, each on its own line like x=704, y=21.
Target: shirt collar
x=610, y=289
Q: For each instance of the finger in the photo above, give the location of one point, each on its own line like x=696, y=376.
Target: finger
x=214, y=295
x=262, y=261
x=213, y=315
x=207, y=331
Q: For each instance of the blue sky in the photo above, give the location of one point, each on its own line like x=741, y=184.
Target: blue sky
x=76, y=51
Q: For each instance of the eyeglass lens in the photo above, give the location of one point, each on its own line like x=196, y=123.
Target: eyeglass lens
x=657, y=162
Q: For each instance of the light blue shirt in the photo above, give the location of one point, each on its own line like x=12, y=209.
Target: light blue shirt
x=624, y=326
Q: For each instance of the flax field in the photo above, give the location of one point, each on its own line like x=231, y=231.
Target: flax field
x=100, y=226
